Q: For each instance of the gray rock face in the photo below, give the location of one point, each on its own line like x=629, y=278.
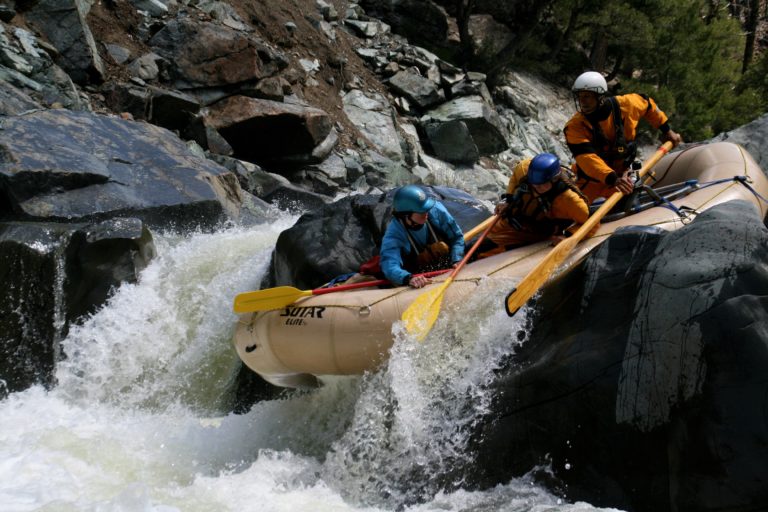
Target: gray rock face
x=421, y=91
x=61, y=165
x=465, y=117
x=373, y=115
x=13, y=101
x=63, y=23
x=27, y=67
x=644, y=373
x=753, y=136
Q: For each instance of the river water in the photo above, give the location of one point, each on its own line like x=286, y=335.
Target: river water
x=139, y=419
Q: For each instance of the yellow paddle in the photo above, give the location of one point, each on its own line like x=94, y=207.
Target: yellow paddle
x=541, y=272
x=277, y=298
x=422, y=314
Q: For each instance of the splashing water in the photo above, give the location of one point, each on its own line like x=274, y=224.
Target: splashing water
x=138, y=420
x=410, y=432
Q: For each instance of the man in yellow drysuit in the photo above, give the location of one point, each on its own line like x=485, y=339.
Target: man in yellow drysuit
x=601, y=135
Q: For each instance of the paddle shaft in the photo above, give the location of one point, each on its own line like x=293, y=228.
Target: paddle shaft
x=536, y=278
x=487, y=225
x=366, y=284
x=469, y=235
x=422, y=314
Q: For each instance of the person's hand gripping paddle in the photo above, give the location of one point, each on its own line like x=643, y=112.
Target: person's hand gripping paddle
x=541, y=272
x=422, y=314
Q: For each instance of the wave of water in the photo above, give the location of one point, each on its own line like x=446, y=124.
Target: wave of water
x=139, y=419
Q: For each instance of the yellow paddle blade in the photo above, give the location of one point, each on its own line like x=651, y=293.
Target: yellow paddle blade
x=538, y=276
x=264, y=300
x=422, y=314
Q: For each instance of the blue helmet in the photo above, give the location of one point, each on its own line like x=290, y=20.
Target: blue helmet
x=543, y=168
x=411, y=198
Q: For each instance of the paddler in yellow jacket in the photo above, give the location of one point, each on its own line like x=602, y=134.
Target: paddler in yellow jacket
x=541, y=203
x=601, y=135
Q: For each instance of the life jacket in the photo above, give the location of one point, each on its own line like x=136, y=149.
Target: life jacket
x=619, y=150
x=425, y=257
x=529, y=210
x=433, y=256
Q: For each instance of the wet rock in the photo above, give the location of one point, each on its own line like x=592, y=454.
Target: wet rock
x=70, y=166
x=103, y=256
x=52, y=275
x=642, y=382
x=31, y=315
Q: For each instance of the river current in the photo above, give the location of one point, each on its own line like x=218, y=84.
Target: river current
x=139, y=419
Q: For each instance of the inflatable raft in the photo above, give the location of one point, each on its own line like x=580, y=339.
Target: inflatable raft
x=351, y=332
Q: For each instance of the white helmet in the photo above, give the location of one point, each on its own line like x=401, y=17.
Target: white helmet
x=590, y=81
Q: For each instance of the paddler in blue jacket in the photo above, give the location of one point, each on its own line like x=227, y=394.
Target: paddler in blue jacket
x=421, y=236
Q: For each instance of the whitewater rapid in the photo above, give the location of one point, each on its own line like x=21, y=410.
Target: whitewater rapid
x=140, y=421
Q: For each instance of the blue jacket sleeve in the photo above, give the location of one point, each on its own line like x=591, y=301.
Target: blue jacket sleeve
x=393, y=244
x=444, y=221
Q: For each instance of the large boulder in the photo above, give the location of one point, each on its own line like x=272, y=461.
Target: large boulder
x=75, y=166
x=642, y=384
x=419, y=90
x=463, y=129
x=266, y=131
x=52, y=275
x=422, y=22
x=336, y=239
x=372, y=114
x=201, y=54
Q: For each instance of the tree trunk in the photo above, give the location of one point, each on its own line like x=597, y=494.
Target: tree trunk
x=750, y=27
x=463, y=12
x=566, y=34
x=599, y=53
